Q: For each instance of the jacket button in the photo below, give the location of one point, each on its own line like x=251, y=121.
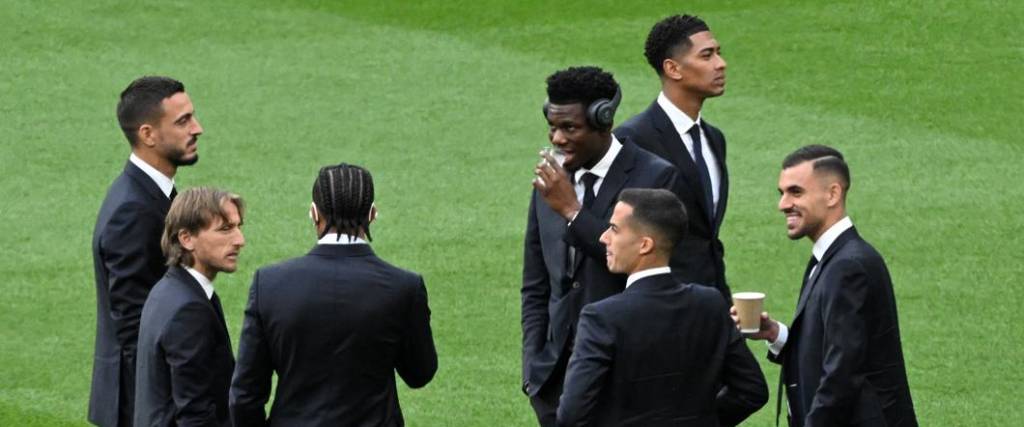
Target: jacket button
x=575, y=285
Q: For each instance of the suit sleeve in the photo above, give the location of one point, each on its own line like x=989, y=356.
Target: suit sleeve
x=188, y=343
x=585, y=230
x=535, y=292
x=588, y=368
x=844, y=312
x=418, y=361
x=744, y=389
x=128, y=256
x=250, y=384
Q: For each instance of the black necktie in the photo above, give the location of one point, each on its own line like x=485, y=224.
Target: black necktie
x=174, y=193
x=588, y=190
x=215, y=300
x=702, y=170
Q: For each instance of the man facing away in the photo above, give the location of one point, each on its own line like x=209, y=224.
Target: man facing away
x=688, y=60
x=157, y=117
x=334, y=325
x=842, y=360
x=661, y=353
x=184, y=353
x=563, y=261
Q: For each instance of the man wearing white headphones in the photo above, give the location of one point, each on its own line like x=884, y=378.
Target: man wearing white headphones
x=335, y=324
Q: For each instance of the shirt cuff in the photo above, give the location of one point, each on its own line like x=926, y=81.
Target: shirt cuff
x=573, y=217
x=780, y=341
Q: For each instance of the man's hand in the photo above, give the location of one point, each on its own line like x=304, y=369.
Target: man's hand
x=555, y=187
x=769, y=327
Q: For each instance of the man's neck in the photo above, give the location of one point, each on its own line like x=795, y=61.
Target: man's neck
x=153, y=159
x=686, y=102
x=830, y=220
x=597, y=158
x=647, y=263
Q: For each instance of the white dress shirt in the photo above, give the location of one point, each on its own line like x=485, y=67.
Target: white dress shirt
x=600, y=169
x=818, y=250
x=204, y=282
x=340, y=239
x=683, y=123
x=646, y=273
x=166, y=184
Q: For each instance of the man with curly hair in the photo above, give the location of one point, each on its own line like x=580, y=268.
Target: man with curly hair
x=564, y=264
x=688, y=60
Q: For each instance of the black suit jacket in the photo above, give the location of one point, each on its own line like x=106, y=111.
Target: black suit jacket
x=127, y=261
x=184, y=357
x=843, y=361
x=699, y=258
x=335, y=325
x=553, y=295
x=659, y=354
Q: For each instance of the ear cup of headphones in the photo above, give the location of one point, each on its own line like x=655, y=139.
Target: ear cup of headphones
x=544, y=109
x=600, y=114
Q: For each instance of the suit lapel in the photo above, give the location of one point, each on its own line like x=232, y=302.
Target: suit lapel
x=717, y=144
x=676, y=149
x=193, y=286
x=840, y=241
x=146, y=183
x=618, y=174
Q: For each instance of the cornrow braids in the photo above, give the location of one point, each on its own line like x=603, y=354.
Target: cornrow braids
x=343, y=195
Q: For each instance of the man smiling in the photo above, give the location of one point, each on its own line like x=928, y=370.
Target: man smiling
x=184, y=351
x=564, y=263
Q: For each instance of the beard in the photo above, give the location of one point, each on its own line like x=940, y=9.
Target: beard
x=178, y=157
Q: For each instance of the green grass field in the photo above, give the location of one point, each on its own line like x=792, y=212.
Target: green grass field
x=441, y=101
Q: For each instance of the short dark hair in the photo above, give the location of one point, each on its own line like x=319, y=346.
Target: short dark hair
x=580, y=85
x=659, y=212
x=140, y=103
x=668, y=36
x=343, y=195
x=826, y=160
x=192, y=211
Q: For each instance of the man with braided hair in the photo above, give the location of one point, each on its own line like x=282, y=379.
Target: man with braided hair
x=564, y=263
x=335, y=324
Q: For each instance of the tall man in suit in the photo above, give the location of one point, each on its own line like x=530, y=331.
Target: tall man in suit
x=842, y=361
x=661, y=352
x=157, y=117
x=563, y=261
x=334, y=325
x=184, y=353
x=687, y=58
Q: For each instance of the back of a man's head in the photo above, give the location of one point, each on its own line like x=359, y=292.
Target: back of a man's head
x=343, y=195
x=658, y=212
x=141, y=103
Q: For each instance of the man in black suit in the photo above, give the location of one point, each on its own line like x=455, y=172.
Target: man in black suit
x=842, y=361
x=184, y=352
x=334, y=325
x=687, y=58
x=157, y=117
x=661, y=352
x=563, y=265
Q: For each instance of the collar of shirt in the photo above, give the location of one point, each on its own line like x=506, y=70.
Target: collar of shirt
x=829, y=236
x=166, y=184
x=679, y=119
x=646, y=273
x=339, y=239
x=203, y=281
x=601, y=168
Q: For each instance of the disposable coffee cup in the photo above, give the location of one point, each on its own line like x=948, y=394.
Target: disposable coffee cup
x=749, y=306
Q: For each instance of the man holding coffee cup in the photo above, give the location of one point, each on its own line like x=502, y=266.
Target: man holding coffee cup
x=842, y=361
x=661, y=352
